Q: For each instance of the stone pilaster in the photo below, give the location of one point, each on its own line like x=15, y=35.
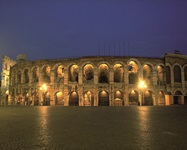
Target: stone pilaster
x=66, y=76
x=80, y=76
x=154, y=78
x=126, y=75
x=95, y=76
x=183, y=80
x=111, y=75
x=52, y=77
x=172, y=77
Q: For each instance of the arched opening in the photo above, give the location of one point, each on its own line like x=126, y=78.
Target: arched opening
x=35, y=98
x=103, y=98
x=160, y=75
x=46, y=74
x=46, y=101
x=26, y=98
x=73, y=73
x=88, y=99
x=35, y=74
x=60, y=74
x=103, y=73
x=161, y=98
x=177, y=98
x=74, y=99
x=19, y=77
x=13, y=77
x=133, y=98
x=118, y=73
x=168, y=75
x=59, y=98
x=147, y=98
x=147, y=74
x=88, y=73
x=177, y=74
x=26, y=75
x=133, y=72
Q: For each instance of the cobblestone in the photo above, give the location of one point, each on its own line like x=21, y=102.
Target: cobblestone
x=91, y=128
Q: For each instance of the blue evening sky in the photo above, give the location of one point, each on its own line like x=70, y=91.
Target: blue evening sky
x=44, y=29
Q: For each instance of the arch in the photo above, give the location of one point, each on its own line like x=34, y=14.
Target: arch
x=46, y=73
x=118, y=72
x=178, y=92
x=133, y=68
x=88, y=98
x=19, y=76
x=87, y=62
x=148, y=98
x=59, y=74
x=35, y=98
x=74, y=99
x=13, y=76
x=177, y=73
x=88, y=73
x=103, y=73
x=103, y=98
x=59, y=98
x=46, y=100
x=147, y=73
x=56, y=66
x=133, y=98
x=160, y=75
x=177, y=97
x=35, y=74
x=73, y=73
x=135, y=61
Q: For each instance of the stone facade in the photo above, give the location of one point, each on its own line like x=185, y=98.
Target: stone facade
x=98, y=81
x=7, y=63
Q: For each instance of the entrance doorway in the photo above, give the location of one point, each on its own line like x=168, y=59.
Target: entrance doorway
x=103, y=98
x=73, y=99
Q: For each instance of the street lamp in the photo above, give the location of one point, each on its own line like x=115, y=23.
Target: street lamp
x=142, y=85
x=43, y=88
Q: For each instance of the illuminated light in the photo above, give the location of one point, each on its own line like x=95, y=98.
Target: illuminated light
x=59, y=93
x=118, y=92
x=88, y=92
x=7, y=92
x=142, y=85
x=133, y=92
x=43, y=87
x=103, y=92
x=147, y=92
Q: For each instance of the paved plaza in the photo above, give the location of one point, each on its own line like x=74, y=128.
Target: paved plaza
x=93, y=128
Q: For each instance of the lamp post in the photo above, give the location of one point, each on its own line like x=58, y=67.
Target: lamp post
x=142, y=86
x=43, y=88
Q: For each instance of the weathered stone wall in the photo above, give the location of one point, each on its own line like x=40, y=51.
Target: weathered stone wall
x=93, y=81
x=7, y=63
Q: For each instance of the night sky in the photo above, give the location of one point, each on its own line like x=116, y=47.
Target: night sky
x=44, y=29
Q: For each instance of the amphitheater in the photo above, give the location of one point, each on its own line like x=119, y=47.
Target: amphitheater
x=95, y=81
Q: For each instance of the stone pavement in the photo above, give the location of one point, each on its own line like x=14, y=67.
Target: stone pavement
x=93, y=128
